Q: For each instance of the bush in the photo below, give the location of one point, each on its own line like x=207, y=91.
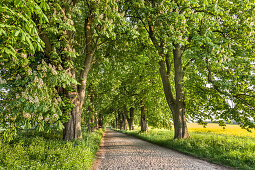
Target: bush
x=33, y=150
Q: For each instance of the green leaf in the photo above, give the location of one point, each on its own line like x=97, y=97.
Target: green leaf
x=17, y=33
x=27, y=125
x=59, y=125
x=2, y=32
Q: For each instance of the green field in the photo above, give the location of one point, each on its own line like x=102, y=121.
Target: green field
x=33, y=150
x=229, y=150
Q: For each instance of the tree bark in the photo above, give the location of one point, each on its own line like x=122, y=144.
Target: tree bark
x=92, y=112
x=96, y=120
x=131, y=118
x=176, y=105
x=116, y=121
x=119, y=120
x=144, y=125
x=124, y=119
x=72, y=128
x=89, y=120
x=101, y=121
x=180, y=125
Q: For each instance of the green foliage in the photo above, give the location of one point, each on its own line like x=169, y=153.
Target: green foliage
x=217, y=43
x=30, y=74
x=19, y=35
x=237, y=152
x=19, y=41
x=126, y=72
x=43, y=50
x=33, y=150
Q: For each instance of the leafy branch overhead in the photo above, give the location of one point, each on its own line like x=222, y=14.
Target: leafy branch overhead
x=67, y=63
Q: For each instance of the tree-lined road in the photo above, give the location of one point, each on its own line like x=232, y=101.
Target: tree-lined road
x=120, y=151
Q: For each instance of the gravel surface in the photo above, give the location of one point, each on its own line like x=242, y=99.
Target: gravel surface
x=120, y=151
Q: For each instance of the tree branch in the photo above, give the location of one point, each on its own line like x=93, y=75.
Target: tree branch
x=209, y=78
x=187, y=65
x=207, y=12
x=144, y=25
x=168, y=65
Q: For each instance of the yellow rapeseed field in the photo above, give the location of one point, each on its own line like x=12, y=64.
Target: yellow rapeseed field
x=215, y=128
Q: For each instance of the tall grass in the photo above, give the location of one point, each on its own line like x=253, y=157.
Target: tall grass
x=32, y=150
x=237, y=152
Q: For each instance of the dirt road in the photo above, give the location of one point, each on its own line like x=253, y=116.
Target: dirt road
x=120, y=151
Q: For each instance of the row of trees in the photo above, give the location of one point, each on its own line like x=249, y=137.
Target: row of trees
x=66, y=63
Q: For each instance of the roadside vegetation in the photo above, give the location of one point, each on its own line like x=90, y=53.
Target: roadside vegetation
x=226, y=148
x=35, y=150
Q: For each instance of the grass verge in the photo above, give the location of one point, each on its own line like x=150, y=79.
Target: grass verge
x=33, y=150
x=237, y=152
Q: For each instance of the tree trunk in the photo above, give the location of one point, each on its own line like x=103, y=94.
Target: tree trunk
x=101, y=121
x=72, y=128
x=144, y=126
x=93, y=114
x=116, y=121
x=180, y=125
x=124, y=119
x=131, y=118
x=89, y=120
x=177, y=106
x=92, y=123
x=96, y=120
x=119, y=120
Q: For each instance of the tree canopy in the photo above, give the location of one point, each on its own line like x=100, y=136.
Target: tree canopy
x=68, y=63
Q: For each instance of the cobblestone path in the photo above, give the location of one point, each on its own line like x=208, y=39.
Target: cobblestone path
x=120, y=151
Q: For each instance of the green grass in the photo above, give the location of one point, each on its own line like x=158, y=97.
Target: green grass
x=237, y=152
x=32, y=150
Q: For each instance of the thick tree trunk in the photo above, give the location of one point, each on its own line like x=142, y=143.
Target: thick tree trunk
x=119, y=120
x=116, y=121
x=101, y=121
x=177, y=106
x=180, y=125
x=93, y=116
x=72, y=128
x=124, y=119
x=144, y=125
x=131, y=118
